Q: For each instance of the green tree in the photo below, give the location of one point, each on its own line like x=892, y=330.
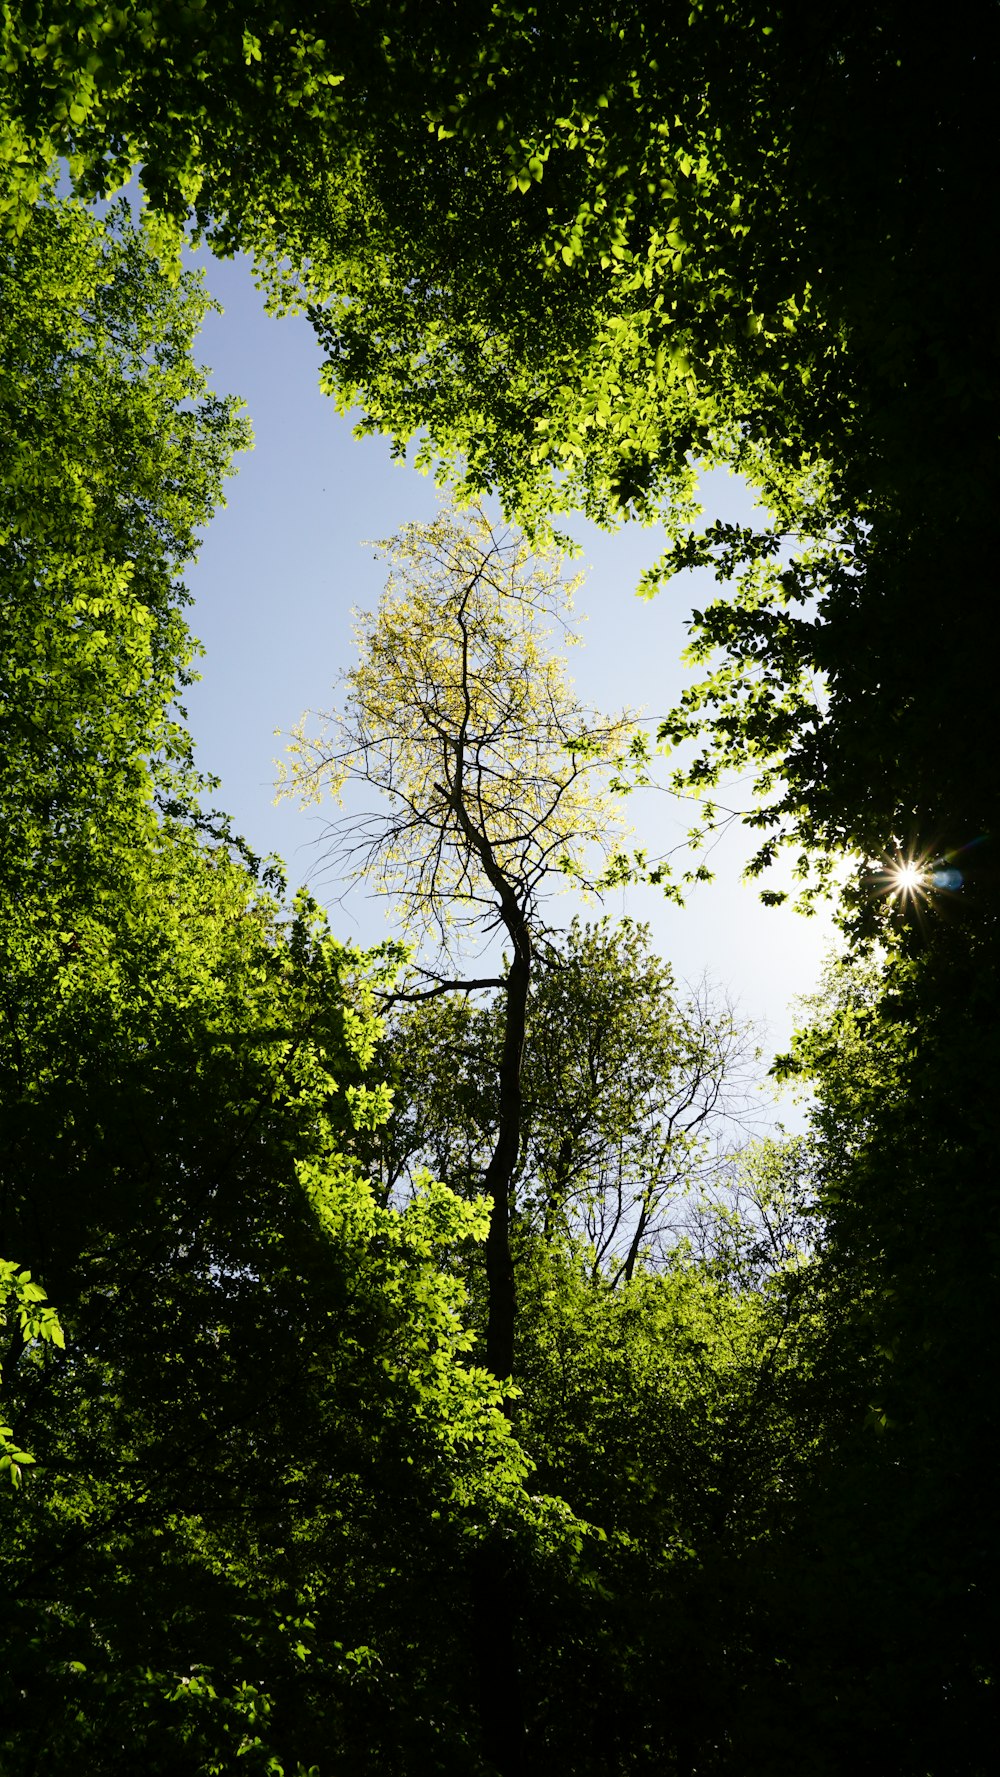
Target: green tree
x=895, y=1542
x=669, y=1412
x=115, y=457
x=497, y=782
x=261, y=1366
x=675, y=1409
x=497, y=779
x=115, y=454
x=631, y=1096
x=261, y=1369
x=627, y=245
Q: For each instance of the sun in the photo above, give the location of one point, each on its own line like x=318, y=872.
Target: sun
x=907, y=878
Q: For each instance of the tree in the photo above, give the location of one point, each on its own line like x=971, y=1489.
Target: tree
x=625, y=246
x=459, y=712
x=630, y=1096
x=758, y=1218
x=116, y=457
x=896, y=1531
x=672, y=1410
x=260, y=1364
x=633, y=1095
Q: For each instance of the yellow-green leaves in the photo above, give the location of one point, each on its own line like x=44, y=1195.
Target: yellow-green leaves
x=114, y=458
x=460, y=713
x=37, y=1320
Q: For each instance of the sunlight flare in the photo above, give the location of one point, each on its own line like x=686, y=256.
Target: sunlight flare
x=908, y=877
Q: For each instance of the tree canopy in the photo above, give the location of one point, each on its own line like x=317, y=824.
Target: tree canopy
x=581, y=254
x=461, y=715
x=739, y=1516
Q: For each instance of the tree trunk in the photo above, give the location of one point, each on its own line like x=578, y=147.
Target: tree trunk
x=502, y=1298
x=501, y=1707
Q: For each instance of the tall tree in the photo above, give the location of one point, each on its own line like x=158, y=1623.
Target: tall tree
x=261, y=1367
x=460, y=714
x=115, y=455
x=896, y=1541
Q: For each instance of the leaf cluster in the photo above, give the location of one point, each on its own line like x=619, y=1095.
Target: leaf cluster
x=460, y=715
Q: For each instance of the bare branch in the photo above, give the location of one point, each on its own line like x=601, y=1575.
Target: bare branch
x=429, y=993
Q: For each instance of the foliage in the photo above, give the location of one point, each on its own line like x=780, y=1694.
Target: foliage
x=256, y=1368
x=575, y=254
x=674, y=1409
x=668, y=1411
x=115, y=458
x=260, y=1363
x=896, y=1531
x=630, y=1095
x=37, y=1320
x=580, y=253
x=460, y=714
x=758, y=1217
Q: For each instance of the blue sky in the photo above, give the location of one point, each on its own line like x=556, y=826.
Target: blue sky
x=283, y=564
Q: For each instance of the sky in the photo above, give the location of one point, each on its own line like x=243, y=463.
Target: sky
x=289, y=556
